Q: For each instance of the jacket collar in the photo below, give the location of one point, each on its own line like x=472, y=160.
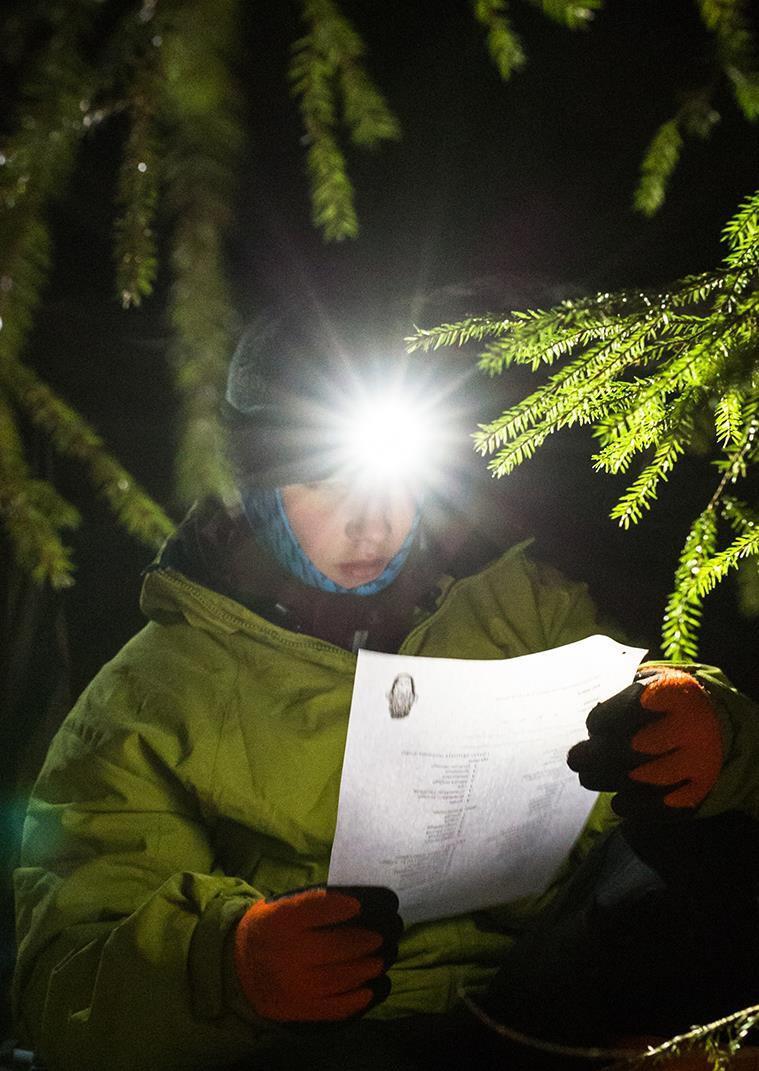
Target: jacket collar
x=216, y=547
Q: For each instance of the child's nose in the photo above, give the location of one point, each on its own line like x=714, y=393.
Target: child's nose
x=369, y=521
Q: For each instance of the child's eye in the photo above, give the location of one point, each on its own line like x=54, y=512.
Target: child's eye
x=331, y=487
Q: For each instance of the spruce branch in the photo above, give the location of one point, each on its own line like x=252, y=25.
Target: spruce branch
x=696, y=118
x=202, y=141
x=36, y=545
x=55, y=112
x=729, y=21
x=644, y=369
x=199, y=351
x=327, y=59
x=312, y=76
x=31, y=512
x=333, y=209
x=659, y=162
x=579, y=392
x=37, y=156
x=73, y=437
x=684, y=609
x=36, y=161
x=701, y=567
x=741, y=235
x=503, y=44
x=639, y=425
x=135, y=252
x=533, y=336
x=719, y=1041
x=24, y=264
x=715, y=570
x=364, y=109
x=697, y=362
x=570, y=13
x=728, y=417
x=642, y=493
x=473, y=328
x=734, y=465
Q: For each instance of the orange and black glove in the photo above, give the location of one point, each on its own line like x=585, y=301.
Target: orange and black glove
x=656, y=744
x=318, y=954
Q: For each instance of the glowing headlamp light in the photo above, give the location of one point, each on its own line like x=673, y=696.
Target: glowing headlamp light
x=384, y=440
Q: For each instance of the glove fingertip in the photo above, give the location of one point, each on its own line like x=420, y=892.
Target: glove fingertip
x=378, y=897
x=378, y=909
x=576, y=754
x=614, y=712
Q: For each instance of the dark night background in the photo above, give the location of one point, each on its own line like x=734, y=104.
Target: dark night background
x=497, y=197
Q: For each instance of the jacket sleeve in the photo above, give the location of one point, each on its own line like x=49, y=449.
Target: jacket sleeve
x=565, y=608
x=123, y=922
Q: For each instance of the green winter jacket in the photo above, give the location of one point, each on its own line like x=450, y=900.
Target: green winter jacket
x=199, y=771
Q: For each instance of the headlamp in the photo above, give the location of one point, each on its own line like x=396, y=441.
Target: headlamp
x=374, y=424
x=383, y=441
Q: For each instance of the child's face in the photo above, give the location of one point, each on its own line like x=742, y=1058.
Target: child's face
x=349, y=535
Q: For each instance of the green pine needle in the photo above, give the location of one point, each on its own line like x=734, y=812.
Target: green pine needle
x=730, y=22
x=643, y=369
x=328, y=63
x=570, y=13
x=659, y=163
x=504, y=46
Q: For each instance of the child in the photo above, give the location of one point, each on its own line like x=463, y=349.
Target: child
x=172, y=907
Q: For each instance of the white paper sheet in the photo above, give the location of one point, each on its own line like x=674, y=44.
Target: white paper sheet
x=455, y=790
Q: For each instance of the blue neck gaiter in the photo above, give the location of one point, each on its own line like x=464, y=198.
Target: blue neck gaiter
x=266, y=514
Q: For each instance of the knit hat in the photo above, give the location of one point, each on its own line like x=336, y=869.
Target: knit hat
x=294, y=386
x=277, y=407
x=285, y=389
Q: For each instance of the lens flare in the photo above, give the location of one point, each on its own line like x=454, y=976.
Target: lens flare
x=385, y=440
